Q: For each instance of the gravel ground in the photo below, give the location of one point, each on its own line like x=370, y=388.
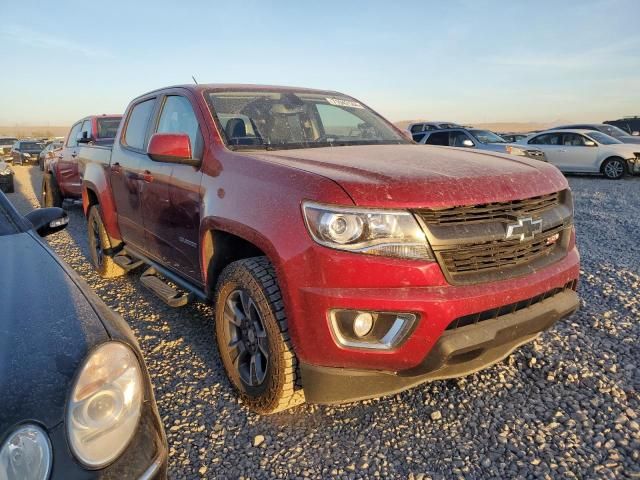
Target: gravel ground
x=566, y=405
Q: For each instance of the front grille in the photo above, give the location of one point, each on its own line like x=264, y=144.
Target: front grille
x=494, y=313
x=499, y=254
x=491, y=212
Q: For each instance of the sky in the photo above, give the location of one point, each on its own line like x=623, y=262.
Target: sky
x=456, y=60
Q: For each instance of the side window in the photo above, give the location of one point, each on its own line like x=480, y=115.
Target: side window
x=416, y=128
x=546, y=139
x=457, y=138
x=73, y=135
x=177, y=117
x=86, y=129
x=136, y=131
x=438, y=138
x=572, y=140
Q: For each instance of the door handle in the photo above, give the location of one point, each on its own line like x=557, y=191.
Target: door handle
x=147, y=176
x=562, y=150
x=115, y=168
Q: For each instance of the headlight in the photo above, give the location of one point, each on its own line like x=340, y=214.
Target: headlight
x=26, y=155
x=26, y=455
x=375, y=232
x=105, y=404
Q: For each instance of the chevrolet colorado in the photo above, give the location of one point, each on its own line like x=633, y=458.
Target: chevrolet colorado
x=344, y=261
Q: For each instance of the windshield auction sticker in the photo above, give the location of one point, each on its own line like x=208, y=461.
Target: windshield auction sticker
x=340, y=102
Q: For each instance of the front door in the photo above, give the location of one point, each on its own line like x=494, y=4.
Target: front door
x=67, y=165
x=579, y=157
x=126, y=175
x=171, y=195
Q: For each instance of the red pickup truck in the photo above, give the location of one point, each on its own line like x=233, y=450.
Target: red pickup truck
x=60, y=179
x=344, y=261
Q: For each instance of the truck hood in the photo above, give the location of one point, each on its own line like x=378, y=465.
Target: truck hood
x=413, y=176
x=47, y=326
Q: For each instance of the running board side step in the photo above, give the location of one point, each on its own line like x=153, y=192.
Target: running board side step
x=126, y=262
x=169, y=295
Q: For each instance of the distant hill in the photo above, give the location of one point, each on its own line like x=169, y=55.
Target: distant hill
x=497, y=126
x=20, y=131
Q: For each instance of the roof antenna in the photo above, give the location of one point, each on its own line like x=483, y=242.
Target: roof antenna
x=194, y=80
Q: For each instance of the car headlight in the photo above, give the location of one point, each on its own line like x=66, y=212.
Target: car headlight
x=105, y=405
x=26, y=455
x=374, y=232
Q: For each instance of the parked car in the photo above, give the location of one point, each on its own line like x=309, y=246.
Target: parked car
x=479, y=139
x=6, y=177
x=49, y=152
x=344, y=261
x=610, y=130
x=587, y=151
x=6, y=144
x=630, y=125
x=417, y=129
x=26, y=151
x=513, y=137
x=61, y=179
x=76, y=397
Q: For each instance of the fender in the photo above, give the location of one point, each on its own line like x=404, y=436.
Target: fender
x=213, y=224
x=95, y=181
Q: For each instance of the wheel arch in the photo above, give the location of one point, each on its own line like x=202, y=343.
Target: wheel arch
x=225, y=242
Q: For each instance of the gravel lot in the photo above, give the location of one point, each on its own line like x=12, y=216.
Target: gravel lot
x=565, y=406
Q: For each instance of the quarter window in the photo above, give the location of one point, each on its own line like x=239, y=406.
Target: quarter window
x=138, y=123
x=86, y=129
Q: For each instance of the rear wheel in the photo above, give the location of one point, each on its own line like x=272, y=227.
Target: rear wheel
x=99, y=242
x=252, y=337
x=613, y=168
x=51, y=195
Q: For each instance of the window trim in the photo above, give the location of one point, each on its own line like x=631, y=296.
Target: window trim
x=125, y=126
x=66, y=143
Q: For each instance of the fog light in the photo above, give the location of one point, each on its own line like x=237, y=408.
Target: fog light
x=363, y=324
x=370, y=329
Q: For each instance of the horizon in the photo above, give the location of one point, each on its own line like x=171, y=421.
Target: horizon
x=495, y=62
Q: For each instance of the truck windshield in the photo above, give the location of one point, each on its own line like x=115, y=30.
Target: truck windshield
x=288, y=119
x=108, y=127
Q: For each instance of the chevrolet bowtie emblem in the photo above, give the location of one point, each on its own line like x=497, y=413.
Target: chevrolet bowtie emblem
x=525, y=229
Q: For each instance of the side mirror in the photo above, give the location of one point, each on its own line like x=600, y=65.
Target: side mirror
x=171, y=148
x=48, y=220
x=467, y=143
x=83, y=137
x=590, y=143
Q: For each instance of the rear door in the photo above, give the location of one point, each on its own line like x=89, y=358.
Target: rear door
x=126, y=174
x=170, y=193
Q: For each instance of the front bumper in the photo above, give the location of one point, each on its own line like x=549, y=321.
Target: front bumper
x=457, y=352
x=633, y=165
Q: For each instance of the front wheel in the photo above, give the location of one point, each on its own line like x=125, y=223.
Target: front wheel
x=613, y=168
x=99, y=243
x=252, y=337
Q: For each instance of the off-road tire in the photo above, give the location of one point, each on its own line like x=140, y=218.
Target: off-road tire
x=280, y=388
x=609, y=172
x=51, y=195
x=104, y=265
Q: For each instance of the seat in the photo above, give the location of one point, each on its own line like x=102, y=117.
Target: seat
x=235, y=129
